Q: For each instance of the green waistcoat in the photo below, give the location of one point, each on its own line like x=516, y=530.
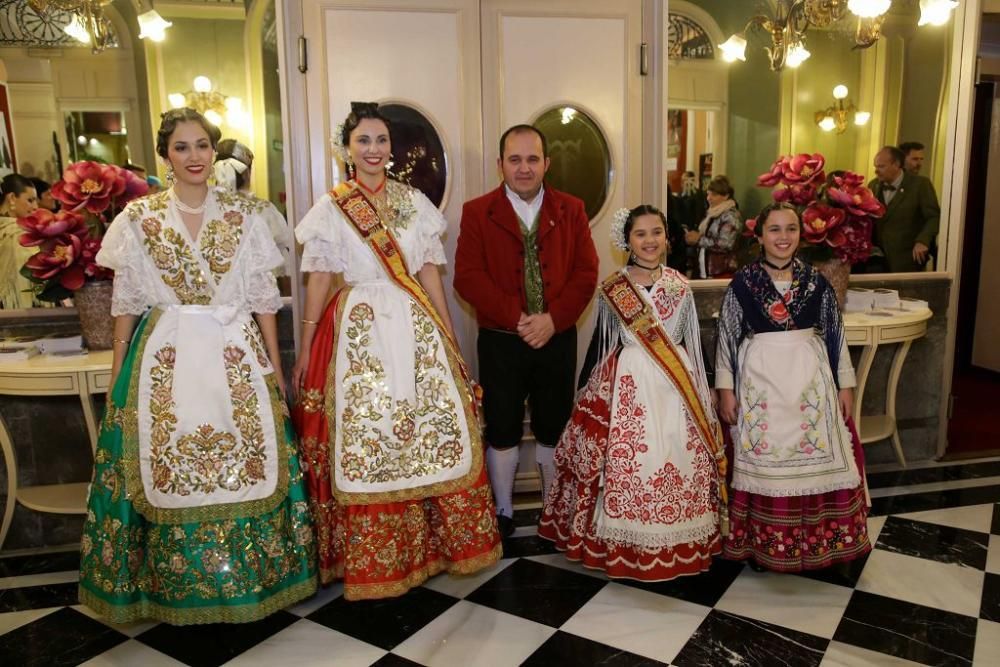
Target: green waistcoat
x=534, y=294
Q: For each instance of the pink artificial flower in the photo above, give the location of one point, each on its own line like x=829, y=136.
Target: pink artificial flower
x=819, y=220
x=797, y=194
x=858, y=201
x=62, y=261
x=849, y=180
x=88, y=260
x=89, y=185
x=804, y=168
x=773, y=175
x=135, y=187
x=43, y=226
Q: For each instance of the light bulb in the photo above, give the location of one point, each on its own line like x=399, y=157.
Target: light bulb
x=238, y=119
x=176, y=100
x=936, y=12
x=202, y=84
x=868, y=9
x=862, y=117
x=734, y=48
x=213, y=117
x=796, y=55
x=567, y=115
x=827, y=124
x=76, y=30
x=152, y=26
x=840, y=92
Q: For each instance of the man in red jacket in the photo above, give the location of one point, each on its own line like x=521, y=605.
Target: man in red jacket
x=526, y=262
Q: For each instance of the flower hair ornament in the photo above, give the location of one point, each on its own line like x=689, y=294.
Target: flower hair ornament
x=337, y=145
x=618, y=239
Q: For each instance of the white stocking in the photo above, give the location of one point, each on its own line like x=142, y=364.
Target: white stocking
x=501, y=464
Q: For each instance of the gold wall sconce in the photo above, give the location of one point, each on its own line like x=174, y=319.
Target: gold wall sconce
x=841, y=113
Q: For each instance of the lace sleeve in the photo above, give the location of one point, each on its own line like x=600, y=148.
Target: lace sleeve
x=119, y=246
x=319, y=234
x=430, y=226
x=263, y=257
x=281, y=234
x=121, y=251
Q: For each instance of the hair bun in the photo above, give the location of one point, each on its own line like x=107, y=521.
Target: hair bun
x=358, y=108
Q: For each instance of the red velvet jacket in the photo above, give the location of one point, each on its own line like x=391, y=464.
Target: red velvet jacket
x=489, y=260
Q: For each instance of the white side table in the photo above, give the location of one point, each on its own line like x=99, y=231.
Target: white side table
x=871, y=330
x=43, y=375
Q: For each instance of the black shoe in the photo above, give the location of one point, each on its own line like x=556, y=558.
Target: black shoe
x=756, y=567
x=505, y=525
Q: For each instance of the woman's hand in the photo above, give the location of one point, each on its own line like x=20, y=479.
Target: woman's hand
x=727, y=405
x=846, y=399
x=279, y=379
x=299, y=375
x=691, y=237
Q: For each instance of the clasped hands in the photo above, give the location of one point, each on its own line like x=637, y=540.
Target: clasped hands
x=536, y=330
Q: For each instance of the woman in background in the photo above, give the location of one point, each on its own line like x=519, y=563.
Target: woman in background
x=233, y=170
x=18, y=198
x=719, y=232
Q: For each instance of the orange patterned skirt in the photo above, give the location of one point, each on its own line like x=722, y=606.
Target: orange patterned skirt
x=384, y=549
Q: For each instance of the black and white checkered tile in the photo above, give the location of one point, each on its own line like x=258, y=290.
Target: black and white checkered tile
x=928, y=594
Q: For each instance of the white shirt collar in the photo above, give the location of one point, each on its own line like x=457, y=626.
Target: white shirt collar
x=527, y=211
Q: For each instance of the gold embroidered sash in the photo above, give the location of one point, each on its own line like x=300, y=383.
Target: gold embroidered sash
x=637, y=316
x=365, y=220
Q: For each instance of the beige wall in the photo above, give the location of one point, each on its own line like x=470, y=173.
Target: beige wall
x=44, y=83
x=213, y=47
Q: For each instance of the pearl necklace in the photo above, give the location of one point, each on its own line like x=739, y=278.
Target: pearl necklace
x=184, y=208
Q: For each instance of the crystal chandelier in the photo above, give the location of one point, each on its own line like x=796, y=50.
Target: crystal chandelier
x=89, y=25
x=787, y=28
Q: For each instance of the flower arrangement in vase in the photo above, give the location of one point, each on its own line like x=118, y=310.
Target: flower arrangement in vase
x=91, y=194
x=838, y=213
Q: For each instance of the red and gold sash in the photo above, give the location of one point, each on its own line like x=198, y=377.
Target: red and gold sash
x=365, y=220
x=637, y=316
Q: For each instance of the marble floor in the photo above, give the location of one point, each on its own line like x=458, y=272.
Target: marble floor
x=928, y=594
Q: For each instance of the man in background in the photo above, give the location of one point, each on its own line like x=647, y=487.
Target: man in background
x=906, y=232
x=913, y=156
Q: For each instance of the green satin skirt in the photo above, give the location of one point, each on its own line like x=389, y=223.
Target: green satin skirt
x=229, y=570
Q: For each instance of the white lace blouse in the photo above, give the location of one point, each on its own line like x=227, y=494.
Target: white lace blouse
x=157, y=263
x=331, y=245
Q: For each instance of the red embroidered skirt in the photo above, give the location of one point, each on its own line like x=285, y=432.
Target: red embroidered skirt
x=383, y=550
x=800, y=532
x=568, y=516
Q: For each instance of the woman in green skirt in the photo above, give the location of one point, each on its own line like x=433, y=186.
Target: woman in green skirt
x=197, y=512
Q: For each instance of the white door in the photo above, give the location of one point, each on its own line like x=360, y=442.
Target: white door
x=581, y=55
x=578, y=54
x=424, y=55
